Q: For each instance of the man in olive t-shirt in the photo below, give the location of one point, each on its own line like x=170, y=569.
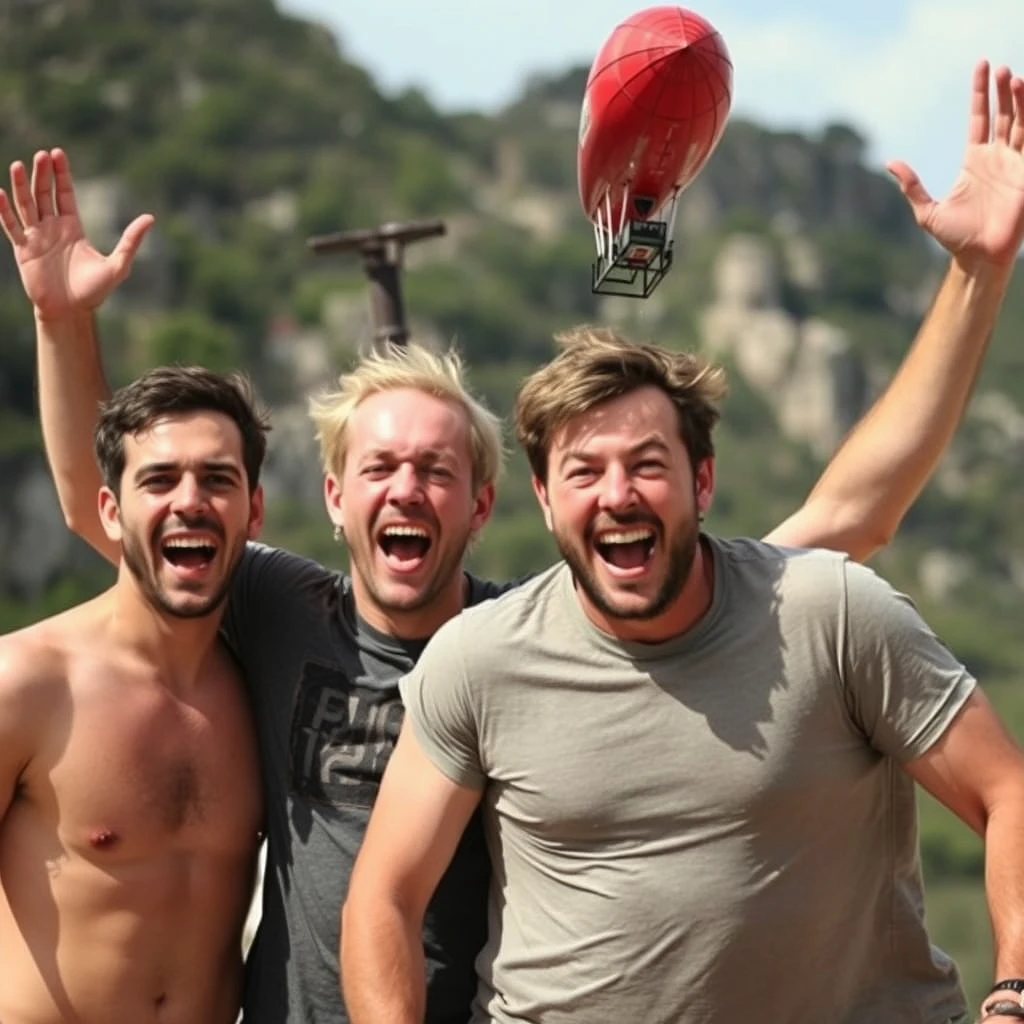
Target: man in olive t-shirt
x=695, y=757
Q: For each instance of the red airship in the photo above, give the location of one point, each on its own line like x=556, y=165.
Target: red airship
x=656, y=103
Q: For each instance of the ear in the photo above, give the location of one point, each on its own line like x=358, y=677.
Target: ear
x=256, y=510
x=333, y=500
x=704, y=485
x=110, y=514
x=541, y=490
x=483, y=506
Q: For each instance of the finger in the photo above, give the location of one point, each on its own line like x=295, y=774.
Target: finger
x=66, y=203
x=979, y=124
x=22, y=194
x=124, y=252
x=910, y=185
x=1017, y=131
x=10, y=223
x=1004, y=106
x=42, y=184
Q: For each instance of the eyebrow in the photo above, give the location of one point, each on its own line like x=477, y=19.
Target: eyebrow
x=210, y=466
x=648, y=444
x=427, y=455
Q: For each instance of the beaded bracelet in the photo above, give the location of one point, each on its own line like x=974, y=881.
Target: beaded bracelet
x=1002, y=1008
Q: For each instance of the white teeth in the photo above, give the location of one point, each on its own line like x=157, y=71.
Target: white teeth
x=188, y=542
x=625, y=536
x=405, y=531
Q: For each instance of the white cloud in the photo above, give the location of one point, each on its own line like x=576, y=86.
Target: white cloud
x=908, y=89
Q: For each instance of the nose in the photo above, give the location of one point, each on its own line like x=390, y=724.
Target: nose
x=405, y=485
x=189, y=495
x=616, y=489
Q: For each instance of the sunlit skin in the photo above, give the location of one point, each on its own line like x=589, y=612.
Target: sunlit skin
x=184, y=512
x=623, y=502
x=407, y=505
x=130, y=807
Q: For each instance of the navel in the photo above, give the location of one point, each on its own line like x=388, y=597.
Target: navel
x=103, y=839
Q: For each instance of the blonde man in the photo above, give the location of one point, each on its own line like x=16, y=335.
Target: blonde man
x=408, y=485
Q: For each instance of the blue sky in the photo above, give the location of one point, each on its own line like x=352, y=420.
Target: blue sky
x=897, y=70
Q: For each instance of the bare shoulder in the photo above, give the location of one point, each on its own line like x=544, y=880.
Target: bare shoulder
x=36, y=662
x=33, y=662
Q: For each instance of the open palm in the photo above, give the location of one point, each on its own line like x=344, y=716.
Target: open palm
x=61, y=272
x=982, y=217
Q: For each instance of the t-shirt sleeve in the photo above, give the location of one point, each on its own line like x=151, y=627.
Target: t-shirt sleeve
x=262, y=585
x=438, y=706
x=903, y=685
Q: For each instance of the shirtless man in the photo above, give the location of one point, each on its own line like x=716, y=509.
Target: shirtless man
x=130, y=812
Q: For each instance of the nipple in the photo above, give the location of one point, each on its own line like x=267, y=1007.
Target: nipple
x=103, y=839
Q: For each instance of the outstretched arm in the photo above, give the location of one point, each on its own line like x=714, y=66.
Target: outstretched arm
x=882, y=466
x=71, y=387
x=417, y=820
x=65, y=278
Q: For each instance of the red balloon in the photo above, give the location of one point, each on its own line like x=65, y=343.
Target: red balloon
x=657, y=99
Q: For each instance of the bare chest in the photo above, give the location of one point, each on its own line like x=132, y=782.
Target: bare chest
x=137, y=773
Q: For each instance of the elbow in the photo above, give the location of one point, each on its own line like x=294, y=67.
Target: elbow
x=73, y=518
x=84, y=524
x=870, y=540
x=80, y=517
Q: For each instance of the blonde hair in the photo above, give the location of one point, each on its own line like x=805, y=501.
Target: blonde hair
x=388, y=368
x=597, y=364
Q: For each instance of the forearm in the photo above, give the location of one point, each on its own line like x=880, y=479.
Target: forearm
x=71, y=387
x=383, y=970
x=895, y=448
x=882, y=466
x=1004, y=882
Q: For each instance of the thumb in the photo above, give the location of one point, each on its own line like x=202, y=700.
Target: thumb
x=128, y=245
x=910, y=185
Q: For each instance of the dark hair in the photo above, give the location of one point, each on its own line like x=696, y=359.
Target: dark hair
x=167, y=390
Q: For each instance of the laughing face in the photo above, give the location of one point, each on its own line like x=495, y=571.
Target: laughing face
x=184, y=513
x=407, y=506
x=623, y=502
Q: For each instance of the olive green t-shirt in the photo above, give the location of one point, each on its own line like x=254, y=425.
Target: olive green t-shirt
x=712, y=829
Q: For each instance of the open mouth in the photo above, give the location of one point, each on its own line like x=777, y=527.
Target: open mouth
x=189, y=553
x=626, y=550
x=405, y=546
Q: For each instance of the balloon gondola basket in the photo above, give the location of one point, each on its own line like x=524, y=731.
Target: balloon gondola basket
x=634, y=256
x=634, y=263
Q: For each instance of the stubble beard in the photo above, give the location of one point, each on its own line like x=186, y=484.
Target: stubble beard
x=133, y=553
x=449, y=566
x=681, y=556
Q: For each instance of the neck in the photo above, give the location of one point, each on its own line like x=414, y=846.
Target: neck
x=418, y=623
x=683, y=614
x=176, y=648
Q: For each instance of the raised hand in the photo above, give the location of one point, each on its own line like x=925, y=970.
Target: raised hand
x=62, y=273
x=982, y=218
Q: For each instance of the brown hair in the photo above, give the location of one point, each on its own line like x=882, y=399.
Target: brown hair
x=597, y=364
x=167, y=390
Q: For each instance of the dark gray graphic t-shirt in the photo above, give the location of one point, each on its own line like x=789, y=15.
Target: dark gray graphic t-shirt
x=324, y=689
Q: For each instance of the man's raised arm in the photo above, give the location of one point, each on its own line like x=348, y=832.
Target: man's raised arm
x=884, y=463
x=66, y=279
